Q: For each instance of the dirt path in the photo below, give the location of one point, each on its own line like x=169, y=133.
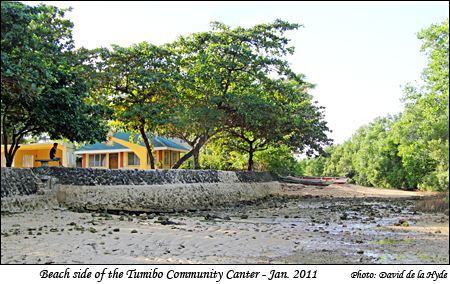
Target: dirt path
x=337, y=224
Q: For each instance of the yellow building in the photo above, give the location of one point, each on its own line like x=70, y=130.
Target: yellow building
x=121, y=153
x=27, y=155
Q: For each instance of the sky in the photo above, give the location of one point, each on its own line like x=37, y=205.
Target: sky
x=359, y=55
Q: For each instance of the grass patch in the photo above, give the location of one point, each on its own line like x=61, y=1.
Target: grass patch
x=438, y=204
x=434, y=259
x=391, y=242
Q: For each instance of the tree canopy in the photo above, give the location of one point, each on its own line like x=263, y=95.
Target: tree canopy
x=139, y=83
x=231, y=84
x=44, y=86
x=237, y=84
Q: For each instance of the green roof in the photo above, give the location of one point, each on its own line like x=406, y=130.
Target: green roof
x=102, y=146
x=158, y=142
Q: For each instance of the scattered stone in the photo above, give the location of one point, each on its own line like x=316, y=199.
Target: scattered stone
x=402, y=222
x=116, y=230
x=134, y=231
x=244, y=216
x=169, y=222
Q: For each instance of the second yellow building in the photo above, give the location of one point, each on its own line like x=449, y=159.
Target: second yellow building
x=121, y=152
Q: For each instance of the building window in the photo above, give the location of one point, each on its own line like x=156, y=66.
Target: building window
x=174, y=157
x=28, y=161
x=133, y=160
x=166, y=157
x=97, y=160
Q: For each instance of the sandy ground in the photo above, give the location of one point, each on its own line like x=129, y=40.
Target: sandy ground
x=338, y=224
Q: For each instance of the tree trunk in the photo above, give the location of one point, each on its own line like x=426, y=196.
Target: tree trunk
x=9, y=160
x=195, y=151
x=196, y=159
x=148, y=146
x=250, y=159
x=9, y=155
x=183, y=159
x=11, y=152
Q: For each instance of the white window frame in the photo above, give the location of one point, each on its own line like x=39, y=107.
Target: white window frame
x=98, y=159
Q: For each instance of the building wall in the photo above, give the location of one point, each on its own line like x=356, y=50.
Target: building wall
x=160, y=160
x=28, y=154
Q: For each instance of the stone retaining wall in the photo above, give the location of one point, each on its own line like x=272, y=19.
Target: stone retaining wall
x=131, y=190
x=163, y=198
x=87, y=176
x=18, y=182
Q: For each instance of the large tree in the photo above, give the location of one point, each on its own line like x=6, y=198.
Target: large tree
x=43, y=80
x=218, y=65
x=275, y=113
x=140, y=84
x=422, y=132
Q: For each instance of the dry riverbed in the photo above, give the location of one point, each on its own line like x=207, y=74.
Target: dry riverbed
x=336, y=224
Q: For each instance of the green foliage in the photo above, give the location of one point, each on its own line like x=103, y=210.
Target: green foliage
x=279, y=160
x=226, y=74
x=408, y=151
x=44, y=86
x=139, y=83
x=423, y=132
x=240, y=87
x=313, y=167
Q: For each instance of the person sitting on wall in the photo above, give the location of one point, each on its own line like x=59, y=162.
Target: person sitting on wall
x=53, y=154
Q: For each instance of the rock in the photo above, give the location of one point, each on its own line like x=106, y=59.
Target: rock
x=244, y=216
x=116, y=230
x=212, y=217
x=163, y=218
x=169, y=222
x=402, y=222
x=344, y=216
x=134, y=231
